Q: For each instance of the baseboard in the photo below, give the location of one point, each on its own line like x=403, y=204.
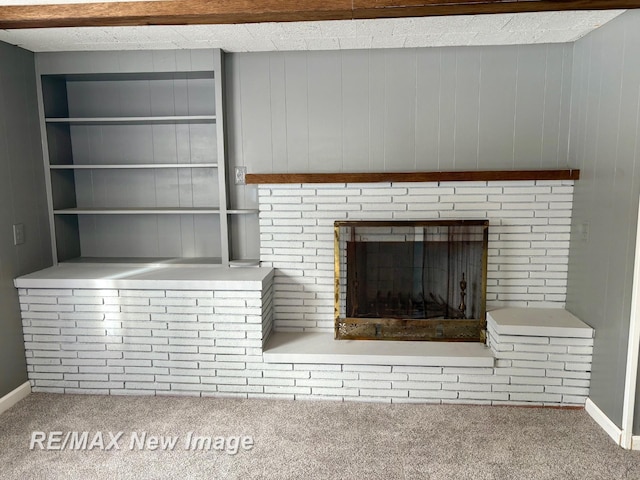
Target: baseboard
x=14, y=396
x=605, y=423
x=635, y=442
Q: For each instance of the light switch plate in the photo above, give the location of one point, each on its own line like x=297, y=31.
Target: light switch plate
x=18, y=233
x=240, y=174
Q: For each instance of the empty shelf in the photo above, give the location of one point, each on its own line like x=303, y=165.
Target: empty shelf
x=146, y=119
x=138, y=211
x=133, y=166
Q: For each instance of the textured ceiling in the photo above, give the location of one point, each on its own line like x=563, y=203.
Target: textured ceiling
x=496, y=29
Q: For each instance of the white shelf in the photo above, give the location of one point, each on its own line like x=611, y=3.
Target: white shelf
x=150, y=210
x=133, y=166
x=242, y=211
x=145, y=261
x=139, y=211
x=148, y=119
x=247, y=262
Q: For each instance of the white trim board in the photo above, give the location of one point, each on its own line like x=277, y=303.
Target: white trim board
x=605, y=423
x=611, y=428
x=14, y=396
x=633, y=351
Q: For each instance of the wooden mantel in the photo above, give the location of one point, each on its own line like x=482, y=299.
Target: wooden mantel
x=184, y=12
x=468, y=176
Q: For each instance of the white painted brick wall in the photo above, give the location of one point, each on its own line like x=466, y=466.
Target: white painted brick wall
x=542, y=370
x=207, y=353
x=142, y=341
x=529, y=226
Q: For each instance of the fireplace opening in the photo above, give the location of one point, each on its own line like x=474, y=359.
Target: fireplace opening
x=411, y=280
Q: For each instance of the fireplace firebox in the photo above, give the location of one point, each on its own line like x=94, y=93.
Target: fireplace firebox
x=411, y=280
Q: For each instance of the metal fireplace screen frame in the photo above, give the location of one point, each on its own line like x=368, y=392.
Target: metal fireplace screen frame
x=380, y=322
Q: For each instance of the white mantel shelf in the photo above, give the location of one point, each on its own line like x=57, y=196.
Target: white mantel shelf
x=303, y=347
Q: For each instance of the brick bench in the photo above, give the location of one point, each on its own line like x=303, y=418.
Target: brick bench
x=192, y=332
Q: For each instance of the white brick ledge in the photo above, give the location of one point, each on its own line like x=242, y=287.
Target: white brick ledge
x=314, y=348
x=153, y=277
x=538, y=322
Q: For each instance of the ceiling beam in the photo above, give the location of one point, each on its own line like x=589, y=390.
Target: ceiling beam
x=420, y=8
x=181, y=12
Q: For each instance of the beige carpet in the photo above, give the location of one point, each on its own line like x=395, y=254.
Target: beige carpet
x=308, y=440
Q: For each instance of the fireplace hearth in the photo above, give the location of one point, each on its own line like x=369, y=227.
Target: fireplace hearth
x=411, y=280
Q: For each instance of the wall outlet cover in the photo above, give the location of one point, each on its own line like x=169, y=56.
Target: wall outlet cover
x=18, y=233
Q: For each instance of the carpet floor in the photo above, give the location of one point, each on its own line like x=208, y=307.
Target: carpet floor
x=301, y=440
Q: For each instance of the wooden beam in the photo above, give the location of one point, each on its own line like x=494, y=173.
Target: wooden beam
x=171, y=12
x=367, y=9
x=469, y=176
x=180, y=12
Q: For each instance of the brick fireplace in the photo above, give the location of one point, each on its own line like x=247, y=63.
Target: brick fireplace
x=268, y=331
x=540, y=353
x=528, y=247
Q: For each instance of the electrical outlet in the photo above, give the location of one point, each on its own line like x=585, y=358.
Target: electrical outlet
x=583, y=229
x=18, y=233
x=239, y=177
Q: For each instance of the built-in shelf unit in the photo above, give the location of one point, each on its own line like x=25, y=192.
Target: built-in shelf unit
x=135, y=156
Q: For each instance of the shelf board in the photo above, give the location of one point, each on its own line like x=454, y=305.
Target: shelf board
x=242, y=211
x=247, y=262
x=146, y=261
x=454, y=176
x=141, y=120
x=139, y=211
x=133, y=166
x=135, y=76
x=149, y=210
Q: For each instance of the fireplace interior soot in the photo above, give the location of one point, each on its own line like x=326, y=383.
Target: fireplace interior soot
x=422, y=280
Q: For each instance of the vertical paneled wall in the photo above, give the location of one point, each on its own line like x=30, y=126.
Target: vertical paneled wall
x=22, y=200
x=604, y=146
x=462, y=108
x=395, y=110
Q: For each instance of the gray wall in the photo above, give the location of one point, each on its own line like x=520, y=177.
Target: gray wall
x=464, y=108
x=604, y=145
x=22, y=200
